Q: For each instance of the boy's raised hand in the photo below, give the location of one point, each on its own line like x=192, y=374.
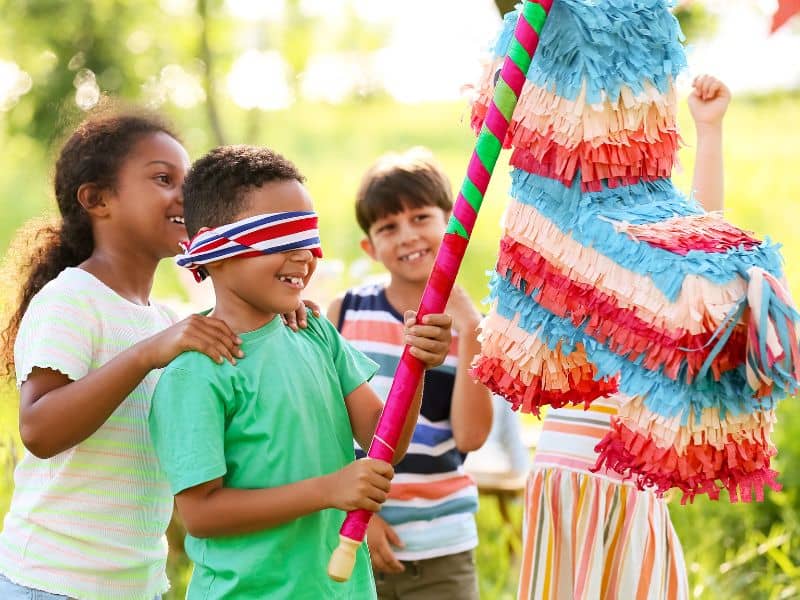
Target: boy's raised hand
x=361, y=484
x=466, y=317
x=429, y=340
x=709, y=100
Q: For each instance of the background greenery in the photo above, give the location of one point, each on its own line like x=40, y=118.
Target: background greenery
x=733, y=551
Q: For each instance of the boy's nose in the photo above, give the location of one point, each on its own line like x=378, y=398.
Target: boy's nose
x=407, y=232
x=301, y=255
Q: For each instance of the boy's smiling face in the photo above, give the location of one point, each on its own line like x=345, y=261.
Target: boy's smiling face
x=259, y=287
x=407, y=242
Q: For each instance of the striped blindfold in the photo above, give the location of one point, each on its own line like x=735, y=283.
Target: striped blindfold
x=262, y=234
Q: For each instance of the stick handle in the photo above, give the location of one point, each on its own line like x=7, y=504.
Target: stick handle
x=448, y=259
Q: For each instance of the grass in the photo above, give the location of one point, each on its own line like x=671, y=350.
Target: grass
x=748, y=549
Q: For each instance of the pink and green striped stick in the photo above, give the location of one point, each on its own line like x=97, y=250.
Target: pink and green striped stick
x=448, y=260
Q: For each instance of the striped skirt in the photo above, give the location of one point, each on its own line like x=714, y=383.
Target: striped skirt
x=590, y=536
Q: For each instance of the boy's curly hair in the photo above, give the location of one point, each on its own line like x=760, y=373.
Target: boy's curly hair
x=396, y=182
x=214, y=190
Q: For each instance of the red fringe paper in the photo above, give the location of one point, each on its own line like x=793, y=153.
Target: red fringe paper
x=583, y=388
x=617, y=163
x=619, y=329
x=743, y=467
x=681, y=235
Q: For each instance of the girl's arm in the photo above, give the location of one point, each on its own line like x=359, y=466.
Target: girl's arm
x=471, y=411
x=211, y=510
x=707, y=103
x=57, y=413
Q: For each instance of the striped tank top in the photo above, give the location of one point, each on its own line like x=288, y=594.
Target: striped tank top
x=432, y=500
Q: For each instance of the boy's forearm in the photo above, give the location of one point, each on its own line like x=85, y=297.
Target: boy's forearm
x=231, y=511
x=409, y=425
x=708, y=183
x=471, y=410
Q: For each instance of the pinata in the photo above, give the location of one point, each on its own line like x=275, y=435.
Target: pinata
x=609, y=279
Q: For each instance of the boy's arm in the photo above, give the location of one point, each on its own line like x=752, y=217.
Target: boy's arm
x=707, y=103
x=364, y=408
x=471, y=411
x=212, y=510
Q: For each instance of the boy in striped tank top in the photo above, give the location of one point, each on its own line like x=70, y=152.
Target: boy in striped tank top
x=422, y=541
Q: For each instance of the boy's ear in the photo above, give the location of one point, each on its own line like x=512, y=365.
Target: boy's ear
x=92, y=198
x=366, y=246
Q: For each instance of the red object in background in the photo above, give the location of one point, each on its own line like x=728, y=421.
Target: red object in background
x=786, y=9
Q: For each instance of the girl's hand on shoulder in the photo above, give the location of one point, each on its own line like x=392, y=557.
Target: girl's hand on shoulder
x=208, y=335
x=299, y=319
x=361, y=484
x=709, y=100
x=429, y=340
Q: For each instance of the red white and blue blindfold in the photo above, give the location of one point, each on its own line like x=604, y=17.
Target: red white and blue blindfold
x=262, y=234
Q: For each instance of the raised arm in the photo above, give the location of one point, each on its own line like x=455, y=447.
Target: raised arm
x=471, y=412
x=707, y=103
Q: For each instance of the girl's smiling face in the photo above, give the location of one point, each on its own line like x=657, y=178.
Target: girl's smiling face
x=147, y=200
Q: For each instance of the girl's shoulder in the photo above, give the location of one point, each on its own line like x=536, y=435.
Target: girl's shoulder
x=71, y=287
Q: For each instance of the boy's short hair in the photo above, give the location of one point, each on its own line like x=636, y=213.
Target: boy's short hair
x=215, y=188
x=396, y=182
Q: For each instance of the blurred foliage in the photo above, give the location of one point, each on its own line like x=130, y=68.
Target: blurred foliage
x=697, y=22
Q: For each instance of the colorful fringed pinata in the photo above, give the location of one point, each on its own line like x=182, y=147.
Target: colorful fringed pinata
x=608, y=278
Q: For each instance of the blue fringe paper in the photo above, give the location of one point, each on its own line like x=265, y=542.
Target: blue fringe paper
x=662, y=395
x=579, y=214
x=605, y=44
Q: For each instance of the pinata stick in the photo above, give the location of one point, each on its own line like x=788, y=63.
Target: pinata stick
x=448, y=259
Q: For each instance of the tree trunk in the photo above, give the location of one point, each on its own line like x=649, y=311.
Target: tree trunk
x=505, y=6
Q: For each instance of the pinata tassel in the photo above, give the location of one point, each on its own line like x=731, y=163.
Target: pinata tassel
x=772, y=337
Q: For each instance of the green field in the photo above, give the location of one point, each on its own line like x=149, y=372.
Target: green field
x=750, y=551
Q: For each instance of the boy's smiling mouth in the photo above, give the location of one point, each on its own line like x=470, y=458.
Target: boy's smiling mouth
x=416, y=255
x=294, y=281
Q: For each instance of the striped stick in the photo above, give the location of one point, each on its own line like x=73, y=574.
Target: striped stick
x=448, y=260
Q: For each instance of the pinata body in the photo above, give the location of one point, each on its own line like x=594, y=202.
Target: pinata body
x=608, y=279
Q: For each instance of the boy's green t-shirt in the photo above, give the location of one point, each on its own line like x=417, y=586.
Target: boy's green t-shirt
x=276, y=417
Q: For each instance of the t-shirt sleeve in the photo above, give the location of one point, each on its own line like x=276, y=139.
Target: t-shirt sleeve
x=59, y=331
x=352, y=365
x=187, y=426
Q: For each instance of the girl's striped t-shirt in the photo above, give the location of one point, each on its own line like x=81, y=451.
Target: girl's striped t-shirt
x=432, y=500
x=89, y=522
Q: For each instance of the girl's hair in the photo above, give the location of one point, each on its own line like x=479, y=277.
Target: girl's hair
x=93, y=153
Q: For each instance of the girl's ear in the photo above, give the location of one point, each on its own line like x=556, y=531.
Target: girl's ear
x=366, y=246
x=92, y=198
